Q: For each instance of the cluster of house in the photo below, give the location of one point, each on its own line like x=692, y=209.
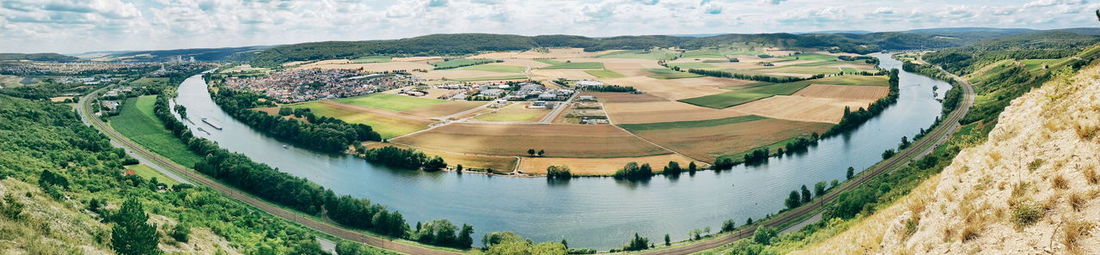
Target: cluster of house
x=316, y=84
x=28, y=68
x=525, y=91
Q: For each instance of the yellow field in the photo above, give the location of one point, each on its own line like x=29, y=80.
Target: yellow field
x=498, y=163
x=572, y=74
x=710, y=142
x=869, y=93
x=368, y=67
x=600, y=166
x=810, y=109
x=516, y=112
x=663, y=111
x=676, y=89
x=559, y=140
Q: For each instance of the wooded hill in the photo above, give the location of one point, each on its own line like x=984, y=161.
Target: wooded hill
x=460, y=44
x=36, y=57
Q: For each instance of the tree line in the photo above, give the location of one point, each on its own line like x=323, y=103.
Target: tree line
x=401, y=158
x=320, y=133
x=273, y=185
x=852, y=119
x=753, y=77
x=609, y=88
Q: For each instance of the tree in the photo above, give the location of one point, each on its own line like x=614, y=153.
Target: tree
x=888, y=153
x=692, y=167
x=531, y=152
x=558, y=173
x=181, y=233
x=637, y=244
x=673, y=168
x=851, y=172
x=668, y=240
x=541, y=152
x=763, y=235
x=806, y=195
x=465, y=237
x=131, y=235
x=793, y=200
x=12, y=208
x=728, y=225
x=819, y=188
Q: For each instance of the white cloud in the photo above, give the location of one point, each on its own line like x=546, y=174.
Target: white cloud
x=53, y=25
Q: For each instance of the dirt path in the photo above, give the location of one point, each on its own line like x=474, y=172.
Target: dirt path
x=198, y=178
x=918, y=149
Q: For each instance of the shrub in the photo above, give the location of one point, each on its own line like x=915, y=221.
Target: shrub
x=1025, y=214
x=558, y=172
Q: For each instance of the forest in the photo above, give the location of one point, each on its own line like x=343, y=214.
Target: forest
x=1039, y=45
x=852, y=119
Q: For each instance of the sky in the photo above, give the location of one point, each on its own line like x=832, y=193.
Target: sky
x=74, y=26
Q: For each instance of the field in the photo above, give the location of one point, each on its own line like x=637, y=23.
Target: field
x=604, y=73
x=662, y=73
x=149, y=173
x=810, y=109
x=869, y=93
x=371, y=59
x=554, y=64
x=662, y=111
x=497, y=163
x=496, y=68
x=653, y=54
x=708, y=140
x=693, y=65
x=137, y=122
x=599, y=166
x=676, y=89
x=575, y=74
x=558, y=140
x=389, y=101
x=621, y=97
x=516, y=112
x=492, y=78
x=453, y=63
x=150, y=82
x=690, y=124
x=760, y=90
x=367, y=67
x=387, y=123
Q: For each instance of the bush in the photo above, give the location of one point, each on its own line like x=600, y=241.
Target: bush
x=558, y=172
x=632, y=171
x=637, y=244
x=764, y=235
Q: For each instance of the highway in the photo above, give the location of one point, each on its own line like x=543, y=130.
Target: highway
x=172, y=169
x=919, y=148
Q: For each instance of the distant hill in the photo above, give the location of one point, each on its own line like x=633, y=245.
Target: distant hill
x=461, y=44
x=200, y=54
x=54, y=57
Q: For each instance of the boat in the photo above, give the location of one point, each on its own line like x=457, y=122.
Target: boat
x=285, y=147
x=212, y=123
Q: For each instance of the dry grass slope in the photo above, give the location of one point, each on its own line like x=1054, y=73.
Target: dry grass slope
x=1031, y=188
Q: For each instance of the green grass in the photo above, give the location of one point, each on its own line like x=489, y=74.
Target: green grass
x=454, y=63
x=724, y=100
x=149, y=173
x=690, y=124
x=641, y=54
x=692, y=65
x=575, y=65
x=371, y=59
x=496, y=68
x=719, y=53
x=137, y=122
x=604, y=73
x=810, y=56
x=390, y=102
x=548, y=61
x=492, y=78
x=662, y=73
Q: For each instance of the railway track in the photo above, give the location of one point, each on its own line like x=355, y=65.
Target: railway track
x=200, y=179
x=919, y=148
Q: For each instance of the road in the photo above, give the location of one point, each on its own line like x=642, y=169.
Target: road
x=919, y=148
x=168, y=167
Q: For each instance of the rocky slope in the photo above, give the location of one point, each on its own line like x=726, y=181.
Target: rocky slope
x=1033, y=187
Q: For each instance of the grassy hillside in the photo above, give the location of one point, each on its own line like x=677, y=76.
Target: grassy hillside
x=78, y=182
x=137, y=122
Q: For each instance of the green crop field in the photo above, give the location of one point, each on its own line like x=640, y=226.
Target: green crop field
x=548, y=61
x=492, y=78
x=604, y=73
x=454, y=63
x=150, y=81
x=662, y=73
x=496, y=68
x=390, y=102
x=690, y=124
x=575, y=65
x=149, y=173
x=639, y=54
x=137, y=122
x=724, y=100
x=810, y=56
x=693, y=65
x=371, y=59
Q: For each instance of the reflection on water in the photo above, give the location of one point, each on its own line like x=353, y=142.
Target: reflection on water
x=590, y=212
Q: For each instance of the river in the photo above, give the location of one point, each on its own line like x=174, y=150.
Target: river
x=597, y=213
